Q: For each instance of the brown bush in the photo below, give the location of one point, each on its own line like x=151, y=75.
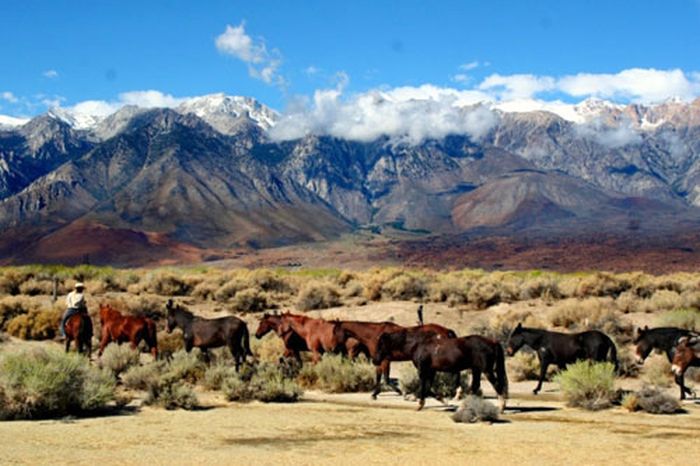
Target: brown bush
x=588, y=314
x=13, y=306
x=406, y=286
x=249, y=300
x=317, y=295
x=37, y=324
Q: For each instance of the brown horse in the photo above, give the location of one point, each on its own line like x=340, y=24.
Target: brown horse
x=686, y=354
x=293, y=343
x=79, y=328
x=368, y=335
x=318, y=334
x=119, y=328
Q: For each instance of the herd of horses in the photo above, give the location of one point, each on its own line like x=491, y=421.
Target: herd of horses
x=431, y=347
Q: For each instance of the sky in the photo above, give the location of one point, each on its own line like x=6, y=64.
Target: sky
x=292, y=54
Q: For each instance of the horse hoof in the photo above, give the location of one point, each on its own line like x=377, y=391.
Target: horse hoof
x=420, y=405
x=535, y=392
x=374, y=397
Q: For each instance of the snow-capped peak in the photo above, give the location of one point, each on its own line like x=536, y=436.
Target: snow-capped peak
x=212, y=108
x=75, y=119
x=11, y=122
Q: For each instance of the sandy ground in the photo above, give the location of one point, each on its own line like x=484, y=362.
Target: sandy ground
x=350, y=429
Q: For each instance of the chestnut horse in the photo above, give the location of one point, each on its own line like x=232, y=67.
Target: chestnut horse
x=79, y=328
x=293, y=343
x=686, y=354
x=119, y=328
x=368, y=335
x=318, y=334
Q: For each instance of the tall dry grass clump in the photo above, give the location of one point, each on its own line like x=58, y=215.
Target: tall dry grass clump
x=688, y=319
x=588, y=385
x=338, y=374
x=317, y=294
x=588, y=314
x=264, y=382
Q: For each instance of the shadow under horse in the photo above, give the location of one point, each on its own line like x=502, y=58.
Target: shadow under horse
x=664, y=339
x=204, y=333
x=79, y=328
x=562, y=348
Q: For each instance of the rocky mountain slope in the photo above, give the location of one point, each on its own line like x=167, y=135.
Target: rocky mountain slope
x=205, y=175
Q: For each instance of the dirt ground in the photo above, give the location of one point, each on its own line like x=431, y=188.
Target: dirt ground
x=351, y=429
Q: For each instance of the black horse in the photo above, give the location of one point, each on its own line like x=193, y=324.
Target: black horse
x=561, y=348
x=210, y=333
x=666, y=340
x=437, y=353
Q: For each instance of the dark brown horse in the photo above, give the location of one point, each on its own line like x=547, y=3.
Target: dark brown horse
x=293, y=343
x=368, y=335
x=79, y=328
x=319, y=335
x=686, y=354
x=119, y=328
x=210, y=333
x=434, y=353
x=562, y=348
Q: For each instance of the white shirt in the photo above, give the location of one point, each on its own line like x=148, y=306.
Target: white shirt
x=75, y=300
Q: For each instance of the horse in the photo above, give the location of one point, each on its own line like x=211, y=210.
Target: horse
x=318, y=334
x=368, y=334
x=665, y=339
x=435, y=353
x=79, y=328
x=210, y=333
x=119, y=328
x=686, y=354
x=293, y=343
x=561, y=348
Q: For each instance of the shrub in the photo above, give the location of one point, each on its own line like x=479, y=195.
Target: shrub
x=627, y=362
x=37, y=324
x=476, y=409
x=171, y=392
x=450, y=288
x=187, y=366
x=249, y=300
x=523, y=366
x=337, y=374
x=688, y=319
x=169, y=343
x=268, y=349
x=166, y=283
x=13, y=306
x=34, y=287
x=588, y=385
x=655, y=401
x=118, y=358
x=602, y=284
x=229, y=289
x=588, y=314
x=657, y=371
x=406, y=286
x=265, y=383
x=216, y=374
x=50, y=383
x=630, y=402
x=317, y=295
x=141, y=377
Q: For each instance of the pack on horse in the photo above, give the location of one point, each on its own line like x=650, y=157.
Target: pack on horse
x=78, y=327
x=664, y=339
x=561, y=348
x=318, y=334
x=116, y=327
x=293, y=343
x=686, y=354
x=368, y=335
x=434, y=353
x=203, y=333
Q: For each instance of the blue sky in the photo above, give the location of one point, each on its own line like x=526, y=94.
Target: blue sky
x=65, y=52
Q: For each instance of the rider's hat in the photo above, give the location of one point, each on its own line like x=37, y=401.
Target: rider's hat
x=79, y=285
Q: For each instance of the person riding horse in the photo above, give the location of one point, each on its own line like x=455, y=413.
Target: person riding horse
x=75, y=304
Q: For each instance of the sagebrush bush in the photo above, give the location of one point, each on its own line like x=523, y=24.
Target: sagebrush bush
x=216, y=374
x=141, y=377
x=264, y=382
x=587, y=314
x=688, y=319
x=249, y=300
x=34, y=287
x=337, y=374
x=653, y=400
x=167, y=283
x=406, y=286
x=602, y=284
x=476, y=409
x=187, y=366
x=317, y=295
x=627, y=362
x=444, y=385
x=37, y=324
x=13, y=306
x=169, y=343
x=118, y=358
x=50, y=383
x=657, y=371
x=588, y=385
x=268, y=349
x=170, y=392
x=524, y=366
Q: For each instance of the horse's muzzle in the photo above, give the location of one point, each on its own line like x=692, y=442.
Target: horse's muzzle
x=510, y=351
x=676, y=369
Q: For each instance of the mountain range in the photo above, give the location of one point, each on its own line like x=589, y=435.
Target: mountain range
x=186, y=183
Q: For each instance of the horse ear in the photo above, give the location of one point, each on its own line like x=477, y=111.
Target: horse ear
x=520, y=325
x=169, y=304
x=646, y=328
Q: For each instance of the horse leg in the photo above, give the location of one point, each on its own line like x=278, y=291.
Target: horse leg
x=388, y=381
x=680, y=382
x=104, y=341
x=426, y=377
x=476, y=382
x=378, y=381
x=68, y=343
x=457, y=386
x=234, y=354
x=544, y=364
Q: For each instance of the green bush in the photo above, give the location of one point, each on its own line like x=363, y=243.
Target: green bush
x=187, y=366
x=216, y=374
x=476, y=409
x=657, y=371
x=141, y=377
x=444, y=384
x=337, y=374
x=170, y=392
x=588, y=385
x=317, y=295
x=118, y=358
x=264, y=382
x=406, y=286
x=50, y=383
x=688, y=319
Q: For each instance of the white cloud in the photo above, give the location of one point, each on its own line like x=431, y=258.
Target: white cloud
x=469, y=66
x=461, y=78
x=312, y=70
x=611, y=136
x=516, y=86
x=145, y=99
x=9, y=97
x=405, y=114
x=262, y=64
x=51, y=74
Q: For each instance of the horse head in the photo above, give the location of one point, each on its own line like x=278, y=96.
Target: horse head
x=682, y=357
x=267, y=323
x=516, y=340
x=644, y=345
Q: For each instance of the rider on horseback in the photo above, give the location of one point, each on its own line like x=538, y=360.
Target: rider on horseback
x=75, y=304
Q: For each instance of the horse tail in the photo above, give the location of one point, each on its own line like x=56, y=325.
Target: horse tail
x=501, y=375
x=245, y=342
